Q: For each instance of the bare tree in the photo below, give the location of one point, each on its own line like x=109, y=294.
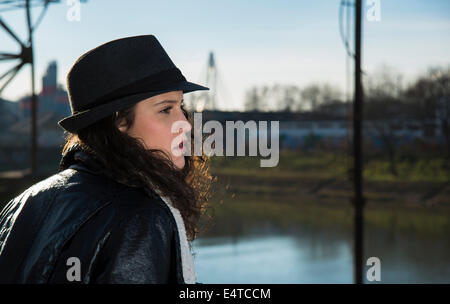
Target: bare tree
x=311, y=96
x=315, y=95
x=289, y=96
x=383, y=110
x=256, y=99
x=429, y=100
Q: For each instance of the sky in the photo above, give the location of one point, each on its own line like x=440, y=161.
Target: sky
x=255, y=43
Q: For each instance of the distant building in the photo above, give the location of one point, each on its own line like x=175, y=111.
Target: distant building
x=52, y=106
x=49, y=81
x=52, y=98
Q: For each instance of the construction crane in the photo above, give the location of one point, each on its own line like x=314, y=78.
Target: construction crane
x=25, y=56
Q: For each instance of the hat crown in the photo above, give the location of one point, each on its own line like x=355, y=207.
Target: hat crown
x=115, y=65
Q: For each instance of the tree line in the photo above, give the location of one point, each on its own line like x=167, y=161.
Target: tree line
x=389, y=103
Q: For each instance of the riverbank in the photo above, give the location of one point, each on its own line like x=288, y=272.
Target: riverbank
x=316, y=190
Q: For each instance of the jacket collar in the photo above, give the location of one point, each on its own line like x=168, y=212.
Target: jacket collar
x=78, y=158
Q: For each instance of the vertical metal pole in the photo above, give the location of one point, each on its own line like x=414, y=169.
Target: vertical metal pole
x=358, y=178
x=33, y=95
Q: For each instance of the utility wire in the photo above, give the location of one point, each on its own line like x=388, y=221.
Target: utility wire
x=343, y=35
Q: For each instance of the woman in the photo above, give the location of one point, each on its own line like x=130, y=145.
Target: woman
x=125, y=204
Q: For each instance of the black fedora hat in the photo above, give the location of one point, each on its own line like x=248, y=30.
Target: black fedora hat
x=118, y=74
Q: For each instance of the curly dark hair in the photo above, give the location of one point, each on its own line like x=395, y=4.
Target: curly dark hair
x=127, y=161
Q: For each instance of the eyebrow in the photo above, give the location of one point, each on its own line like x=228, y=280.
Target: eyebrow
x=167, y=101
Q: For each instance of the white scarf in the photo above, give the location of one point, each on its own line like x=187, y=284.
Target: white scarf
x=187, y=261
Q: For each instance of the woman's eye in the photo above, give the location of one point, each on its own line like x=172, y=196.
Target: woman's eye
x=166, y=110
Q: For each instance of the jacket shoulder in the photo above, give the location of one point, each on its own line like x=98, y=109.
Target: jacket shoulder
x=139, y=245
x=139, y=249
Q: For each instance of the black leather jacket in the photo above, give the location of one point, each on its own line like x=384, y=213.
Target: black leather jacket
x=119, y=234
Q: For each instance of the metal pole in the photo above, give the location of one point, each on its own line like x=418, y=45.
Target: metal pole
x=357, y=150
x=33, y=95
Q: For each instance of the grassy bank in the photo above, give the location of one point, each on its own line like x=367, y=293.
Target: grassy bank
x=326, y=177
x=315, y=189
x=327, y=164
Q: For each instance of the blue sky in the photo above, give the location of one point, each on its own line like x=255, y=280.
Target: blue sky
x=255, y=42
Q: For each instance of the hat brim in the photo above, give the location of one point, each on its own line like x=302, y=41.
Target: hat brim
x=83, y=119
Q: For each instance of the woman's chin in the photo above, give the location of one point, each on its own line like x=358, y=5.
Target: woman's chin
x=179, y=163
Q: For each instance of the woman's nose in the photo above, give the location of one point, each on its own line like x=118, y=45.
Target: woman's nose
x=186, y=125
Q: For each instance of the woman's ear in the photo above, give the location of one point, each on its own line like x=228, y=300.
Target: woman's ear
x=122, y=128
x=121, y=124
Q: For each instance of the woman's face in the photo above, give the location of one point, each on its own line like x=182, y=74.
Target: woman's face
x=153, y=123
